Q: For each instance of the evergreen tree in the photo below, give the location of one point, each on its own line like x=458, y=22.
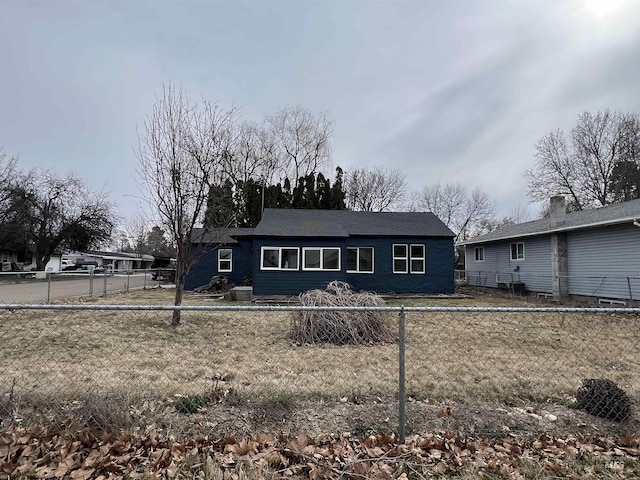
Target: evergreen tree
x=297, y=200
x=323, y=193
x=337, y=194
x=221, y=208
x=286, y=197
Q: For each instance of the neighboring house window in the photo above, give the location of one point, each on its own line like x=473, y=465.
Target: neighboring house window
x=479, y=254
x=279, y=258
x=409, y=258
x=517, y=251
x=360, y=259
x=225, y=256
x=321, y=258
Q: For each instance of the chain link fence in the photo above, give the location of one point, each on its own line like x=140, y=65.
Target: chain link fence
x=47, y=287
x=607, y=289
x=440, y=363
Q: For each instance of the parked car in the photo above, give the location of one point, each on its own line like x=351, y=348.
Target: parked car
x=68, y=265
x=82, y=266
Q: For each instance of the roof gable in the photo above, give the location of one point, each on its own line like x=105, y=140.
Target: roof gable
x=615, y=214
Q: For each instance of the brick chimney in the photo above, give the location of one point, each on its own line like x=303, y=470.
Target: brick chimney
x=557, y=210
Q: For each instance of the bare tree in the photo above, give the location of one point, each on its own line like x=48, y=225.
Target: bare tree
x=465, y=213
x=251, y=155
x=554, y=172
x=625, y=184
x=135, y=230
x=376, y=189
x=587, y=167
x=519, y=214
x=45, y=213
x=8, y=166
x=181, y=152
x=302, y=141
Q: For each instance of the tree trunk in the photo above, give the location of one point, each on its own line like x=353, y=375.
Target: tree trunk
x=180, y=278
x=175, y=320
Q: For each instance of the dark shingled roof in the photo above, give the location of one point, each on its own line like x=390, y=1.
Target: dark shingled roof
x=344, y=223
x=615, y=214
x=224, y=236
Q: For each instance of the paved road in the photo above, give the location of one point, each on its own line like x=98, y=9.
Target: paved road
x=65, y=286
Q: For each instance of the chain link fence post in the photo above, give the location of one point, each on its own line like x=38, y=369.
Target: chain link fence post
x=49, y=275
x=401, y=375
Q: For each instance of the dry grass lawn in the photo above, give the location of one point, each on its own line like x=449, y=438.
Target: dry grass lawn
x=451, y=357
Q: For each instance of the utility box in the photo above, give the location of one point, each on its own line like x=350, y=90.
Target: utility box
x=241, y=294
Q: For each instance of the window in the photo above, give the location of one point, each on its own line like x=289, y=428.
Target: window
x=279, y=258
x=224, y=260
x=417, y=259
x=517, y=251
x=479, y=252
x=360, y=259
x=321, y=258
x=400, y=259
x=409, y=258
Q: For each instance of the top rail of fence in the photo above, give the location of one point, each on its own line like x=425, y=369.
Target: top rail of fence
x=302, y=308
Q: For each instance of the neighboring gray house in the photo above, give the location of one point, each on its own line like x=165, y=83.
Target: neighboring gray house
x=590, y=253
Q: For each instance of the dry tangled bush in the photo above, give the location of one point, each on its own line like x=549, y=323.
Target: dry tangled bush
x=342, y=327
x=603, y=398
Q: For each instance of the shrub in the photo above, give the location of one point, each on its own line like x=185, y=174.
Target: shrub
x=603, y=398
x=342, y=327
x=190, y=403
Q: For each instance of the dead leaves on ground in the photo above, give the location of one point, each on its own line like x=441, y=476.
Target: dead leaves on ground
x=81, y=454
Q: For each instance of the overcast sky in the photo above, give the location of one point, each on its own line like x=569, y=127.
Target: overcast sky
x=445, y=91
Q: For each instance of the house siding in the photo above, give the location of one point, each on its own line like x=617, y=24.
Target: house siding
x=498, y=268
x=437, y=279
x=206, y=265
x=599, y=262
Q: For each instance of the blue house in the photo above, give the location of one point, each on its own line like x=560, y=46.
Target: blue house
x=592, y=254
x=291, y=251
x=225, y=252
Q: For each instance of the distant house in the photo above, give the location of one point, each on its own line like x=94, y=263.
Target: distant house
x=8, y=255
x=291, y=251
x=590, y=253
x=115, y=260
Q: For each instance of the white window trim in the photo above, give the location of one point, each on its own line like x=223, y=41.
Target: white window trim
x=517, y=259
x=423, y=258
x=278, y=268
x=475, y=254
x=230, y=260
x=408, y=258
x=373, y=260
x=321, y=269
x=405, y=257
